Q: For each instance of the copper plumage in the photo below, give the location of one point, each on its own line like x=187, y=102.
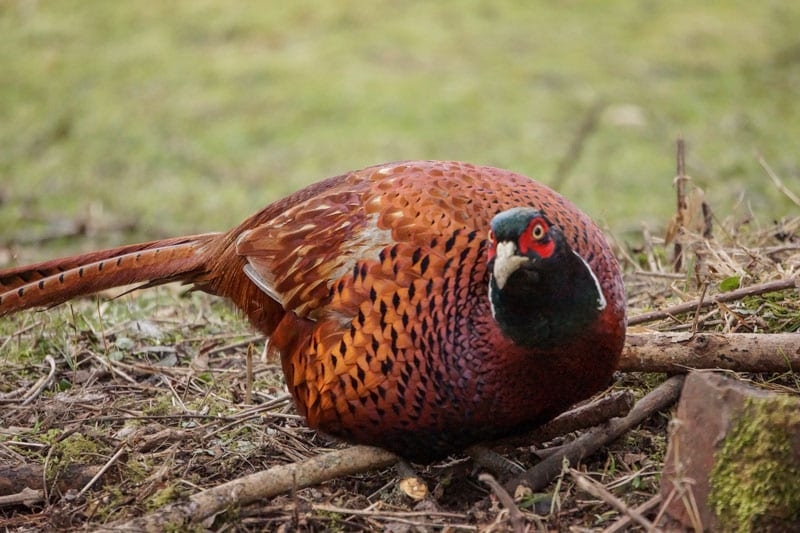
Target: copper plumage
x=374, y=289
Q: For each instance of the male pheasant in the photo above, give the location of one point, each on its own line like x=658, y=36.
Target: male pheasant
x=416, y=306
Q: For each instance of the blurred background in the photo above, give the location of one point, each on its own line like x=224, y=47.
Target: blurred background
x=137, y=120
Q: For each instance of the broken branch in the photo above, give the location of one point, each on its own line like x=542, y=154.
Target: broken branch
x=545, y=471
x=261, y=485
x=594, y=413
x=740, y=352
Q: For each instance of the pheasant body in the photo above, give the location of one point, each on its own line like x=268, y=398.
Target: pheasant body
x=406, y=313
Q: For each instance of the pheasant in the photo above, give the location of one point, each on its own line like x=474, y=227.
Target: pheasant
x=418, y=306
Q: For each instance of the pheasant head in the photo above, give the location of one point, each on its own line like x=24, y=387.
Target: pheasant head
x=541, y=291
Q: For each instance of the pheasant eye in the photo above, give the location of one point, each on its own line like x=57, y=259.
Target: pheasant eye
x=538, y=231
x=491, y=237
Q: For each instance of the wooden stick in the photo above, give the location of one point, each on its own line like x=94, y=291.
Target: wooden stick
x=740, y=352
x=259, y=486
x=613, y=404
x=515, y=515
x=14, y=479
x=545, y=471
x=27, y=496
x=738, y=294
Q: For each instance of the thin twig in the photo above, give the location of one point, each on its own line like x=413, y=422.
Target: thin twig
x=102, y=326
x=587, y=484
x=102, y=470
x=393, y=514
x=17, y=334
x=27, y=393
x=666, y=275
x=665, y=505
x=252, y=412
x=777, y=180
x=647, y=242
x=680, y=186
x=114, y=367
x=248, y=382
x=237, y=344
x=45, y=468
x=624, y=521
x=514, y=514
x=696, y=318
x=738, y=294
x=42, y=383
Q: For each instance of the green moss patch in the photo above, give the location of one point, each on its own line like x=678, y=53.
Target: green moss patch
x=754, y=482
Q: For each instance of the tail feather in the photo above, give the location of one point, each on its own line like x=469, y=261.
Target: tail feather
x=53, y=282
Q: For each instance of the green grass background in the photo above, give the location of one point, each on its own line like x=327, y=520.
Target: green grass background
x=186, y=116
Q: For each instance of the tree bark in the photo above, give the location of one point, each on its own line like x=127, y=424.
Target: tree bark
x=14, y=479
x=740, y=352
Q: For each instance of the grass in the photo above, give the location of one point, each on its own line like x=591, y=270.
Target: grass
x=187, y=116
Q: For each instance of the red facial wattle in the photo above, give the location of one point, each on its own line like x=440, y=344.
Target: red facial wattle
x=536, y=238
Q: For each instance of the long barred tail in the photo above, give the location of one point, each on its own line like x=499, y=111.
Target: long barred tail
x=54, y=282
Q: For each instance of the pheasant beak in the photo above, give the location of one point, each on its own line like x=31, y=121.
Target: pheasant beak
x=506, y=262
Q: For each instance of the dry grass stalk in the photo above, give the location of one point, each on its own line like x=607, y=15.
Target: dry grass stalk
x=587, y=484
x=678, y=222
x=624, y=522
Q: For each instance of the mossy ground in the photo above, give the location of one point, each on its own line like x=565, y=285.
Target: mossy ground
x=755, y=477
